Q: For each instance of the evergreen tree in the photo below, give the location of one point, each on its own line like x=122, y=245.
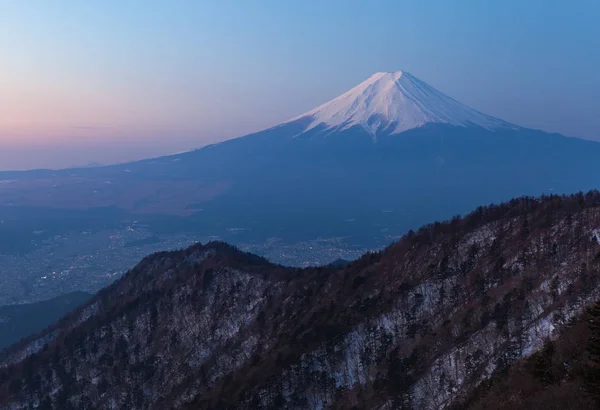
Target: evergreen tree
x=592, y=373
x=542, y=364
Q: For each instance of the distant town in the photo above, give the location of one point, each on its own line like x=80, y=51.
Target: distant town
x=89, y=261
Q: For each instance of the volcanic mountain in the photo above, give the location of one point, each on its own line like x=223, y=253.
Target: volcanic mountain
x=390, y=154
x=394, y=102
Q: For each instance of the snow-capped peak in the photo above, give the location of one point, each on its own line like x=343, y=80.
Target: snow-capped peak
x=393, y=102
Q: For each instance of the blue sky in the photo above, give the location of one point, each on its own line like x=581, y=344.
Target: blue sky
x=116, y=80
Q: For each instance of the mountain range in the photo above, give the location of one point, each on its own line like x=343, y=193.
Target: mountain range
x=430, y=322
x=389, y=155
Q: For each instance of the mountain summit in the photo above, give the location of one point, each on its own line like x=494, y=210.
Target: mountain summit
x=394, y=102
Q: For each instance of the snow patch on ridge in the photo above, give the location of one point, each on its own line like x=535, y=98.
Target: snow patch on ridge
x=393, y=103
x=596, y=235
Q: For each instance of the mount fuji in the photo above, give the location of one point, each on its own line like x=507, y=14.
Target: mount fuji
x=392, y=103
x=386, y=156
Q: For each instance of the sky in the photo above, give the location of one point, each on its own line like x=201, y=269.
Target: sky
x=85, y=82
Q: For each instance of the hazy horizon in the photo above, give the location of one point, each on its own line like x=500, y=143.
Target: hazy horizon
x=79, y=86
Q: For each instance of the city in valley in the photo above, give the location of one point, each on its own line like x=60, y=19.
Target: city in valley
x=88, y=261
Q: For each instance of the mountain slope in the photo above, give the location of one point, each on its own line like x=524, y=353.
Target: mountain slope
x=561, y=375
x=418, y=325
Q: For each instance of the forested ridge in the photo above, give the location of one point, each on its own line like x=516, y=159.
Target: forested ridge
x=434, y=320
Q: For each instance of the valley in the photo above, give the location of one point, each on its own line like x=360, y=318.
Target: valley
x=90, y=260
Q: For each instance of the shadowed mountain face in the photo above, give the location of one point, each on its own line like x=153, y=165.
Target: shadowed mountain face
x=279, y=183
x=418, y=325
x=392, y=153
x=423, y=174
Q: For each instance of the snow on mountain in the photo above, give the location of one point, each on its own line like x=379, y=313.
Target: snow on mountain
x=394, y=102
